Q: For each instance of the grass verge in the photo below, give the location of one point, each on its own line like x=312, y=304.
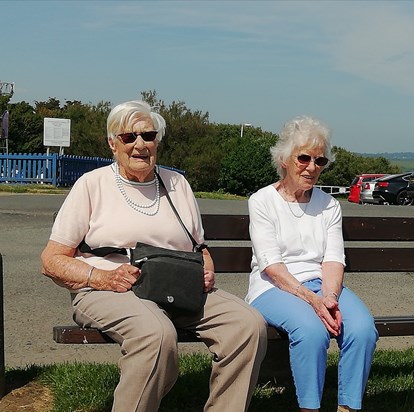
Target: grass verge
x=89, y=387
x=49, y=189
x=41, y=189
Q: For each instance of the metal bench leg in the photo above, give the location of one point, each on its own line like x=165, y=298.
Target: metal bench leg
x=2, y=368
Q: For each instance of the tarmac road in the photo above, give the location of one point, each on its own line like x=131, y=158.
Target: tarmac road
x=33, y=303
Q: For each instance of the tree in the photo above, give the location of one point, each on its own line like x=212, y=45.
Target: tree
x=247, y=165
x=214, y=156
x=347, y=165
x=25, y=129
x=88, y=127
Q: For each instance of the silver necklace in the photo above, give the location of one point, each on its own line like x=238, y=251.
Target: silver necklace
x=139, y=208
x=288, y=203
x=297, y=216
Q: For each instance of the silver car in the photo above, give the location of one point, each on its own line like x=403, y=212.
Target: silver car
x=366, y=191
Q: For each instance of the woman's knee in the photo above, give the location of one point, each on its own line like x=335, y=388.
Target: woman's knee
x=361, y=329
x=158, y=342
x=159, y=332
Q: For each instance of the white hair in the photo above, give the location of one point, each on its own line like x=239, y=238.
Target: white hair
x=123, y=116
x=302, y=131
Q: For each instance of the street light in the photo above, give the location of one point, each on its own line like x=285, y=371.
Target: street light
x=243, y=125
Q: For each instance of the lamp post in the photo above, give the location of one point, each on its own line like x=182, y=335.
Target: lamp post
x=243, y=125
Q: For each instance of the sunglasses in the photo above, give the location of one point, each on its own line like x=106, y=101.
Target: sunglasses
x=131, y=137
x=305, y=159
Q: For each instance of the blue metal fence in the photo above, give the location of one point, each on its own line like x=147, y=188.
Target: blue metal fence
x=28, y=168
x=46, y=168
x=71, y=168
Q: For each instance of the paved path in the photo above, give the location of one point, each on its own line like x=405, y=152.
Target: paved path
x=33, y=303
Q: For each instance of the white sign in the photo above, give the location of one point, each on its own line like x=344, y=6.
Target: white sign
x=56, y=132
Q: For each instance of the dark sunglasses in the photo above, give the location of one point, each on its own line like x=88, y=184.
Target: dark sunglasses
x=131, y=137
x=305, y=159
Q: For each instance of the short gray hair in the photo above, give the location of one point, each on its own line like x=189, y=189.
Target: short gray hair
x=123, y=116
x=298, y=132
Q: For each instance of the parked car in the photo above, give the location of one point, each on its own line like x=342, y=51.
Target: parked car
x=410, y=188
x=392, y=190
x=366, y=191
x=356, y=184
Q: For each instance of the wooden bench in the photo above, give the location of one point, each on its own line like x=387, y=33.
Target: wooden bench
x=234, y=255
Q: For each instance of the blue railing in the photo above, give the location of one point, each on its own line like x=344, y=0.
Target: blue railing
x=28, y=168
x=46, y=168
x=51, y=169
x=71, y=168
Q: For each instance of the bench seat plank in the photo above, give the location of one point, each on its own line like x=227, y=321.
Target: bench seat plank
x=386, y=326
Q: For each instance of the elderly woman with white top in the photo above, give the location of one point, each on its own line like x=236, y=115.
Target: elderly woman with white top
x=297, y=273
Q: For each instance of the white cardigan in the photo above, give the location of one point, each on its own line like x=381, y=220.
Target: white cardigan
x=301, y=235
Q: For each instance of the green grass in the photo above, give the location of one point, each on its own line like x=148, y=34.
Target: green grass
x=218, y=195
x=89, y=387
x=405, y=164
x=44, y=189
x=49, y=189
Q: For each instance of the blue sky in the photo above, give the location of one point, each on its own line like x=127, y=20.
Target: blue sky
x=349, y=63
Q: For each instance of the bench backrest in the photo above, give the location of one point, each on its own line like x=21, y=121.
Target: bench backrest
x=235, y=257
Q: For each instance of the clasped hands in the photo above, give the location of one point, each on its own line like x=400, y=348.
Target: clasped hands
x=327, y=308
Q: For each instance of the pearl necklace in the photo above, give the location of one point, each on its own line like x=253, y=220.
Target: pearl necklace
x=136, y=206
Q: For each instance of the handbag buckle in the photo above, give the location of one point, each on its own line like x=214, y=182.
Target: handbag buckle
x=138, y=263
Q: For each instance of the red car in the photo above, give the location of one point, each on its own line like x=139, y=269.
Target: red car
x=355, y=188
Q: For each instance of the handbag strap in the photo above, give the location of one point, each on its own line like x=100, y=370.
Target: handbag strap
x=107, y=250
x=101, y=251
x=195, y=244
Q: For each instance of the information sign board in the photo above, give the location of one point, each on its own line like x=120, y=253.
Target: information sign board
x=56, y=132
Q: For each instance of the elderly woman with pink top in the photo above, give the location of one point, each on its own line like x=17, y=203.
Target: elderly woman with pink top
x=117, y=206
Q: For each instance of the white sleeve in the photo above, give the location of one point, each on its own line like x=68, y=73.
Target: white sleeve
x=334, y=251
x=263, y=233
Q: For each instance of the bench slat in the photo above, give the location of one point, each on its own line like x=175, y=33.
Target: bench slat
x=386, y=326
x=226, y=227
x=395, y=325
x=236, y=227
x=378, y=228
x=358, y=259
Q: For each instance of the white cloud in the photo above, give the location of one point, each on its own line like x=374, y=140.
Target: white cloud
x=372, y=40
x=375, y=42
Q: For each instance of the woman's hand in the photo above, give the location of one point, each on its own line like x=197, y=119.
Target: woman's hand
x=120, y=279
x=209, y=280
x=327, y=309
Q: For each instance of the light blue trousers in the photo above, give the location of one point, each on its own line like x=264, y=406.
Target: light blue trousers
x=309, y=341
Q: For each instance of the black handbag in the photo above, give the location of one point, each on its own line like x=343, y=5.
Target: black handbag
x=173, y=279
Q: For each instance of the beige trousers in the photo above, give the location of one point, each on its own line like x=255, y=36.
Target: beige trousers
x=233, y=331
